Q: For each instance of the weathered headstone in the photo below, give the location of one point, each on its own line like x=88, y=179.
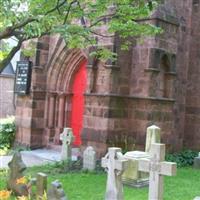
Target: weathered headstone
x=132, y=176
x=152, y=136
x=56, y=192
x=67, y=138
x=41, y=184
x=196, y=164
x=114, y=163
x=157, y=168
x=17, y=167
x=89, y=158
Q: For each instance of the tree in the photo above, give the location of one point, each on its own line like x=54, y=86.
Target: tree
x=75, y=20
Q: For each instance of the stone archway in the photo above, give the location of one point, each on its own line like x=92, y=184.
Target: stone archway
x=60, y=77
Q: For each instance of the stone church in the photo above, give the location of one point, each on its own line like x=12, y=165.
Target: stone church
x=157, y=81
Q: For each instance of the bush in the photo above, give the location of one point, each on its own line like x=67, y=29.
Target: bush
x=183, y=159
x=7, y=132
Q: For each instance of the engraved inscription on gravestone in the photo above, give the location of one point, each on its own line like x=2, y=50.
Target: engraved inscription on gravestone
x=23, y=77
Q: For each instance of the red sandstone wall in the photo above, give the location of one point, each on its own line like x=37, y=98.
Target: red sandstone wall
x=192, y=118
x=30, y=108
x=124, y=97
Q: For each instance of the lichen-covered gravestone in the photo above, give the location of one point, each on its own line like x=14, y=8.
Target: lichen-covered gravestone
x=67, y=138
x=114, y=163
x=56, y=192
x=89, y=158
x=17, y=168
x=157, y=168
x=41, y=184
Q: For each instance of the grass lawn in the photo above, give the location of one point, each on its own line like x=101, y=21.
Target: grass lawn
x=91, y=186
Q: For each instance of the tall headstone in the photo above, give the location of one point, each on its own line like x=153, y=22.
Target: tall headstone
x=152, y=136
x=67, y=138
x=17, y=167
x=114, y=163
x=89, y=158
x=56, y=192
x=41, y=184
x=157, y=168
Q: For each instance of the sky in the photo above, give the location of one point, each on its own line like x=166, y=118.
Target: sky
x=16, y=58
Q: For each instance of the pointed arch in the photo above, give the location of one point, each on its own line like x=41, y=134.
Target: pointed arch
x=60, y=75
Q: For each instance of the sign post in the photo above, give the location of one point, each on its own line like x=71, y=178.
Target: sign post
x=23, y=77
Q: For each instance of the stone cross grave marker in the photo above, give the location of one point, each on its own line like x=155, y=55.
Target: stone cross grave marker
x=153, y=136
x=56, y=191
x=67, y=138
x=157, y=168
x=41, y=184
x=17, y=167
x=89, y=158
x=115, y=164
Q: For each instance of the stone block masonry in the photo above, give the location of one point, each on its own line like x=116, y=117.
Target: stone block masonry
x=153, y=82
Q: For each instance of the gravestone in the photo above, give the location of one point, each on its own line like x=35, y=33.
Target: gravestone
x=17, y=167
x=196, y=164
x=56, y=192
x=41, y=184
x=152, y=136
x=114, y=163
x=157, y=168
x=89, y=158
x=67, y=138
x=132, y=176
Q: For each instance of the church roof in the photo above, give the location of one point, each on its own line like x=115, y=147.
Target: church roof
x=8, y=70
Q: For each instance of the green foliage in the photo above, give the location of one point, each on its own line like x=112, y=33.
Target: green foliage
x=183, y=159
x=4, y=49
x=104, y=54
x=30, y=49
x=77, y=21
x=7, y=133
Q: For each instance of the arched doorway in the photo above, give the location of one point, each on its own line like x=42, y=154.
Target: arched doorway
x=78, y=89
x=66, y=82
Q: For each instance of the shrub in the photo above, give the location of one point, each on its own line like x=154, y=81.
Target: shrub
x=183, y=159
x=7, y=132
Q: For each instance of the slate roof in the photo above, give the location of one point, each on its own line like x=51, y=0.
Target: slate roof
x=8, y=70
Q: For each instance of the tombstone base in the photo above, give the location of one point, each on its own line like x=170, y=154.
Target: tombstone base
x=196, y=163
x=136, y=183
x=132, y=176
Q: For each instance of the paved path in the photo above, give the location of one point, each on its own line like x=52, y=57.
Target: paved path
x=37, y=157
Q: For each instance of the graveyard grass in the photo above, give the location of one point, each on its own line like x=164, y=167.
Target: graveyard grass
x=91, y=186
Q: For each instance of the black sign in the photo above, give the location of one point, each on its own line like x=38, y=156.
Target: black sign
x=23, y=77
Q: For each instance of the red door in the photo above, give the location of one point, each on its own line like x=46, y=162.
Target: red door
x=79, y=86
